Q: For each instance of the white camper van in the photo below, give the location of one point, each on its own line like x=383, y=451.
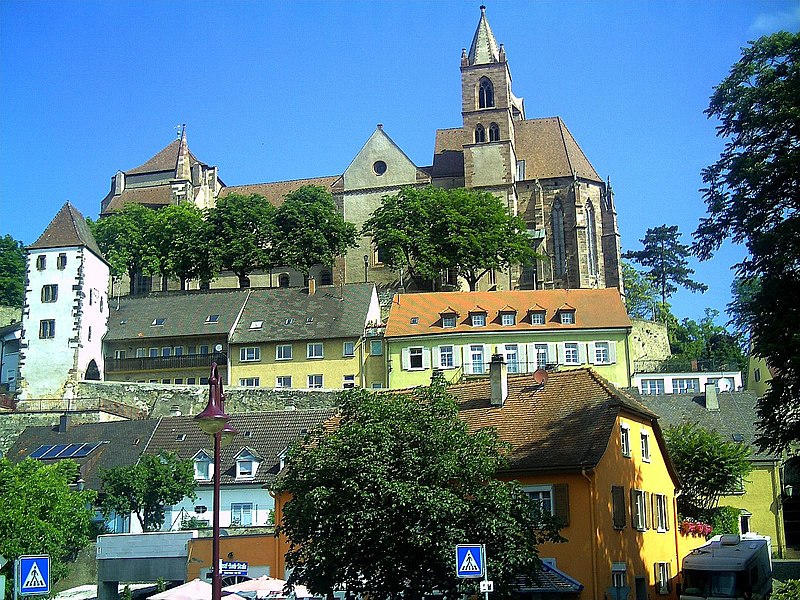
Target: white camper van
x=729, y=567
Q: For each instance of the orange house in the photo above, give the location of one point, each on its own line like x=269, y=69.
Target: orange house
x=595, y=458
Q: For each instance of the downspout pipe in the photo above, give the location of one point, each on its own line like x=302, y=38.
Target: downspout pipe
x=594, y=530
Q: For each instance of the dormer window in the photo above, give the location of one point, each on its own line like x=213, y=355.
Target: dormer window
x=537, y=317
x=567, y=317
x=449, y=317
x=478, y=319
x=212, y=319
x=246, y=464
x=508, y=318
x=203, y=466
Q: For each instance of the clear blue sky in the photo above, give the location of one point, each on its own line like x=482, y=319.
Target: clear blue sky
x=285, y=90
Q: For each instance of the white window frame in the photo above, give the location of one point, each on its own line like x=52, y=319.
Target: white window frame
x=448, y=321
x=49, y=293
x=311, y=350
x=571, y=353
x=443, y=352
x=645, y=442
x=478, y=319
x=243, y=460
x=284, y=352
x=686, y=385
x=640, y=513
x=282, y=380
x=250, y=354
x=313, y=383
x=625, y=439
x=242, y=508
x=477, y=351
x=249, y=382
x=663, y=575
x=416, y=354
x=508, y=319
x=203, y=468
x=349, y=349
x=348, y=382
x=541, y=494
x=566, y=317
x=510, y=351
x=661, y=516
x=652, y=387
x=602, y=352
x=538, y=317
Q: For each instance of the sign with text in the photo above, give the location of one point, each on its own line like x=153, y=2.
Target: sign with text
x=234, y=567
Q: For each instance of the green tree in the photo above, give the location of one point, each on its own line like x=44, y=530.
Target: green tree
x=379, y=503
x=707, y=342
x=145, y=488
x=41, y=514
x=311, y=230
x=751, y=197
x=12, y=272
x=183, y=241
x=127, y=242
x=640, y=294
x=664, y=257
x=243, y=234
x=708, y=466
x=434, y=229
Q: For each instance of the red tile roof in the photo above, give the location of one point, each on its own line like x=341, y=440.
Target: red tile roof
x=594, y=309
x=276, y=192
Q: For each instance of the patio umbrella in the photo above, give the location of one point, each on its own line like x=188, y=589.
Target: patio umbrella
x=267, y=587
x=193, y=590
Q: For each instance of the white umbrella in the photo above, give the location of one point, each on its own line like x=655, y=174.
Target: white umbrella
x=196, y=589
x=268, y=587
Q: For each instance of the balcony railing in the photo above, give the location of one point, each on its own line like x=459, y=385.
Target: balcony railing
x=680, y=365
x=164, y=363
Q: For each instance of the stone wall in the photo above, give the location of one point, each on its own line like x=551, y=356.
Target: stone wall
x=648, y=341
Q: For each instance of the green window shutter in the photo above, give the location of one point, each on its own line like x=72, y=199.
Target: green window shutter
x=618, y=506
x=561, y=502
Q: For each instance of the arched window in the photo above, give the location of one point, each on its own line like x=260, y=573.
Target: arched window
x=485, y=93
x=494, y=133
x=559, y=248
x=325, y=278
x=591, y=239
x=480, y=134
x=283, y=280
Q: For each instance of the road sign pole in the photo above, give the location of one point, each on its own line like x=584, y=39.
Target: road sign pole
x=485, y=571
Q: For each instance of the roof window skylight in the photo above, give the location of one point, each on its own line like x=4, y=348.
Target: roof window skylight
x=212, y=319
x=256, y=324
x=158, y=322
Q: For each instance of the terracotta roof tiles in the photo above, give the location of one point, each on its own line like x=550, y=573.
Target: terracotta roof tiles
x=276, y=192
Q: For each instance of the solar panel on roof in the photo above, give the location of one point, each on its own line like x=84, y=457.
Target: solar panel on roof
x=70, y=450
x=39, y=451
x=86, y=449
x=54, y=451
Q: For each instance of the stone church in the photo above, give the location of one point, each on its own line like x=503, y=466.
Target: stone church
x=534, y=165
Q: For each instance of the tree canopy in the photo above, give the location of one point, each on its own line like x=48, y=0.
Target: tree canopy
x=752, y=196
x=183, y=241
x=127, y=242
x=243, y=234
x=665, y=260
x=379, y=504
x=41, y=514
x=12, y=272
x=145, y=488
x=706, y=342
x=310, y=229
x=429, y=230
x=640, y=294
x=709, y=466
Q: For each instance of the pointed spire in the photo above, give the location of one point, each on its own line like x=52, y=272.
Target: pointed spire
x=484, y=47
x=183, y=167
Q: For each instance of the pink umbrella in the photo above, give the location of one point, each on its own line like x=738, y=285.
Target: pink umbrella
x=267, y=587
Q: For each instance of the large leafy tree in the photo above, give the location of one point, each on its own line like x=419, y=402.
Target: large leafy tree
x=707, y=342
x=665, y=259
x=41, y=514
x=183, y=242
x=379, y=503
x=432, y=229
x=708, y=465
x=311, y=230
x=752, y=196
x=640, y=294
x=12, y=272
x=145, y=488
x=243, y=234
x=127, y=241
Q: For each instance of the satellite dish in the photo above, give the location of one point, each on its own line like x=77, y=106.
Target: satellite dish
x=218, y=348
x=724, y=385
x=540, y=376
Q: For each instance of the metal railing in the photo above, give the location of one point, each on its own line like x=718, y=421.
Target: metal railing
x=682, y=365
x=163, y=363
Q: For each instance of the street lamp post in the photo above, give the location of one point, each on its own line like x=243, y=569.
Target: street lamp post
x=215, y=422
x=366, y=267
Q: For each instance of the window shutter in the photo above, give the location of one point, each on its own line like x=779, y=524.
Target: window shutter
x=657, y=573
x=426, y=358
x=582, y=353
x=487, y=357
x=521, y=357
x=561, y=502
x=437, y=361
x=456, y=356
x=647, y=516
x=551, y=352
x=406, y=359
x=667, y=508
x=618, y=506
x=561, y=353
x=531, y=351
x=592, y=353
x=612, y=351
x=669, y=577
x=467, y=359
x=634, y=511
x=654, y=511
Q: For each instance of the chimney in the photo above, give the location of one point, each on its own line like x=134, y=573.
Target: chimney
x=712, y=402
x=498, y=376
x=64, y=423
x=312, y=286
x=119, y=183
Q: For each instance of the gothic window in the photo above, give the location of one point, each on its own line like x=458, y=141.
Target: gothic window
x=559, y=247
x=591, y=239
x=480, y=134
x=494, y=133
x=485, y=93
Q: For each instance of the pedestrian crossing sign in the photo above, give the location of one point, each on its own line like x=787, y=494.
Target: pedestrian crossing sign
x=469, y=561
x=34, y=575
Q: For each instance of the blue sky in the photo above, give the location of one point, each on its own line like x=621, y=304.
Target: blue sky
x=284, y=90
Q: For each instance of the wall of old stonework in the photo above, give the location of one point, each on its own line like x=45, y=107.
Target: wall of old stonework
x=648, y=341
